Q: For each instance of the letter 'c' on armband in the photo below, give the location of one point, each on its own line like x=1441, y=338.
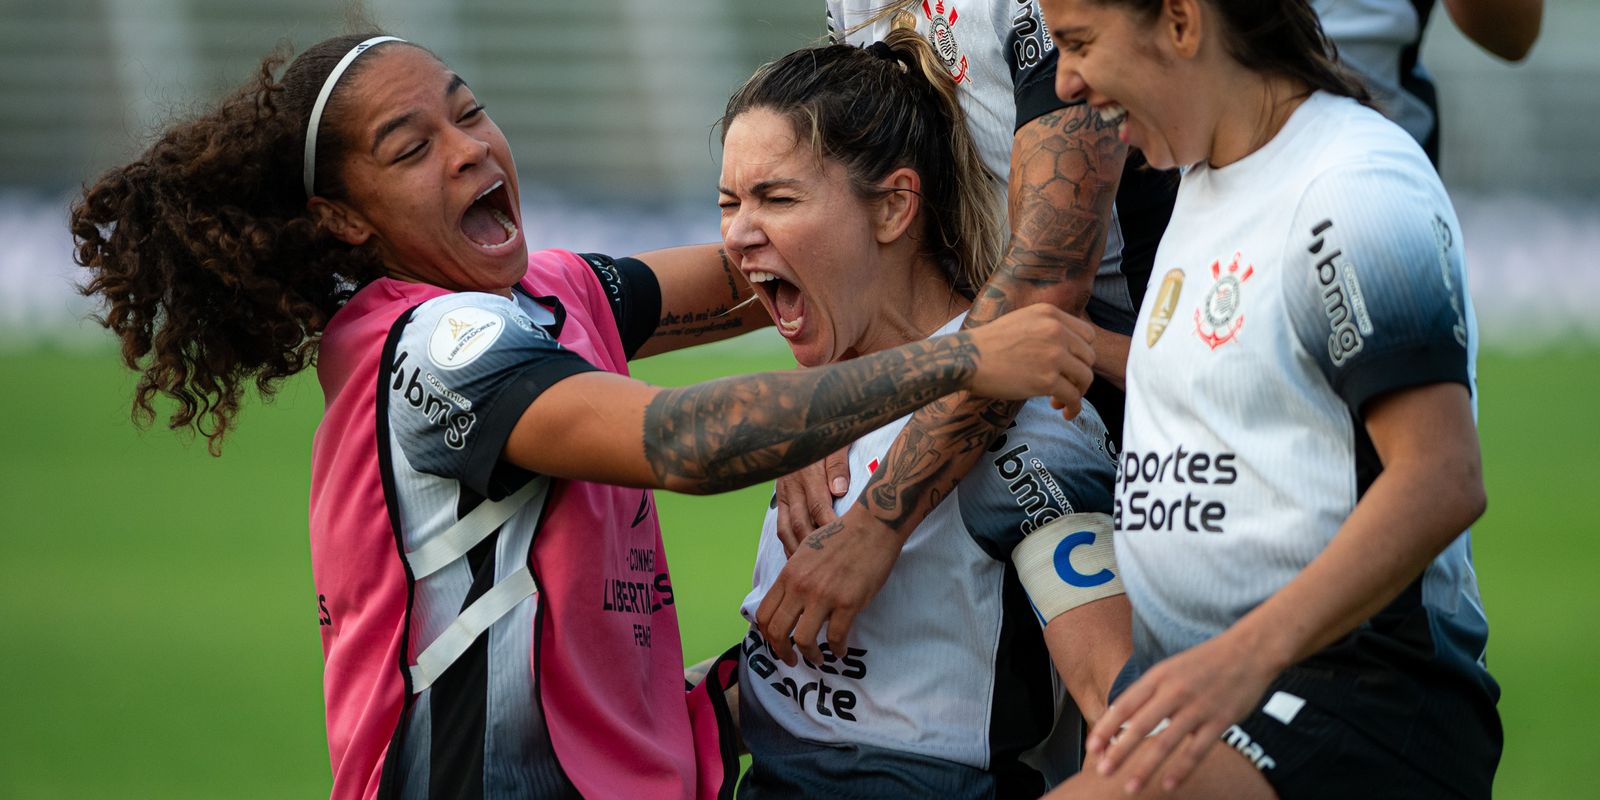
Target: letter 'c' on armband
x=1068, y=563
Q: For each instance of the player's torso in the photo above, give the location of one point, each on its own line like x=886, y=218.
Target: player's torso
x=603, y=597
x=1238, y=462
x=926, y=673
x=919, y=672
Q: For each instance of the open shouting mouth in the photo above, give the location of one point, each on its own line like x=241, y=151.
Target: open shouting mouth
x=489, y=221
x=783, y=299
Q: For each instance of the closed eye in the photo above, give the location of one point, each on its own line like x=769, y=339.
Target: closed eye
x=473, y=113
x=411, y=151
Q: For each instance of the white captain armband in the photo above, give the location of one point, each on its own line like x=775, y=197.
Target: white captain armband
x=1068, y=563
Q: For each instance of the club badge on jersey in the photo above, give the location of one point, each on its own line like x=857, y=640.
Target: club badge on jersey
x=942, y=18
x=1220, y=315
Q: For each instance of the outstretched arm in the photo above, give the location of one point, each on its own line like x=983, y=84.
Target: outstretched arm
x=1065, y=168
x=1506, y=28
x=724, y=434
x=703, y=299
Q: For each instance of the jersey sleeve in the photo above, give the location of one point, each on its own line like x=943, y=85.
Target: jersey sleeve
x=464, y=367
x=1040, y=469
x=634, y=294
x=1031, y=57
x=1374, y=283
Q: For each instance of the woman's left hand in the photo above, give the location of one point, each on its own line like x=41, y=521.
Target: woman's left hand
x=1199, y=693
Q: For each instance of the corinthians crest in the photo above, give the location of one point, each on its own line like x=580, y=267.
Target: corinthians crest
x=941, y=34
x=1218, y=319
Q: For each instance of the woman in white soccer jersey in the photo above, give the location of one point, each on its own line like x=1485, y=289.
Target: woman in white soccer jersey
x=853, y=199
x=1301, y=458
x=361, y=211
x=1084, y=216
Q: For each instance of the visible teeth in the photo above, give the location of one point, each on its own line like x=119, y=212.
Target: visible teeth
x=757, y=276
x=485, y=192
x=791, y=325
x=1112, y=114
x=505, y=221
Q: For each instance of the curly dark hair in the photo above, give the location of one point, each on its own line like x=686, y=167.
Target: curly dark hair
x=212, y=271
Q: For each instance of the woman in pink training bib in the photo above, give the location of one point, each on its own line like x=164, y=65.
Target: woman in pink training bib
x=497, y=615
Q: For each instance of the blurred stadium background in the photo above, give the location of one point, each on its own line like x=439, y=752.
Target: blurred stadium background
x=156, y=607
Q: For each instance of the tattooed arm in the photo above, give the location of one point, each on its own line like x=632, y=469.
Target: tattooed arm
x=701, y=297
x=724, y=434
x=1065, y=167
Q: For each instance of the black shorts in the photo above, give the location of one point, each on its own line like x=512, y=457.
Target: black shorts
x=1363, y=719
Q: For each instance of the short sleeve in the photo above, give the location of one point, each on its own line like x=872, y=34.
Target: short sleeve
x=1041, y=468
x=1031, y=57
x=1374, y=282
x=634, y=294
x=462, y=369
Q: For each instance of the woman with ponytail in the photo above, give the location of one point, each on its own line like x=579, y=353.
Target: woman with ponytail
x=854, y=201
x=1301, y=462
x=495, y=606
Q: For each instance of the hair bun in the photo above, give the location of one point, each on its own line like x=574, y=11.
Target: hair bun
x=884, y=51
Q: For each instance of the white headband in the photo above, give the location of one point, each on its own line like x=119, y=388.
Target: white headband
x=310, y=172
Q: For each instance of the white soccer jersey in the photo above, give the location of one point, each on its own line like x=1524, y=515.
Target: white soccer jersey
x=1292, y=286
x=997, y=51
x=1379, y=40
x=947, y=680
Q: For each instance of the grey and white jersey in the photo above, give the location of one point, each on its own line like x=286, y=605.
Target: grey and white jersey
x=1379, y=40
x=997, y=51
x=1295, y=285
x=462, y=369
x=946, y=681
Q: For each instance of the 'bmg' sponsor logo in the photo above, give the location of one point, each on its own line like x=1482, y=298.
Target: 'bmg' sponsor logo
x=1030, y=483
x=1342, y=301
x=439, y=404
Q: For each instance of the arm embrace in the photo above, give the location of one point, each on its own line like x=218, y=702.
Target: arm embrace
x=733, y=432
x=1065, y=167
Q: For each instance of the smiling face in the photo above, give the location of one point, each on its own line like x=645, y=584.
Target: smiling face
x=1131, y=71
x=793, y=224
x=429, y=177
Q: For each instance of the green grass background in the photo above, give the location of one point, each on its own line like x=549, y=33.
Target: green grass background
x=158, y=633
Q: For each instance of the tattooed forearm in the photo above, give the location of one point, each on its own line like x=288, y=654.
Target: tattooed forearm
x=717, y=436
x=727, y=273
x=722, y=318
x=821, y=535
x=925, y=463
x=1065, y=168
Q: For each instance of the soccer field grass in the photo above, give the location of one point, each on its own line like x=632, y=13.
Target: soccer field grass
x=159, y=624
